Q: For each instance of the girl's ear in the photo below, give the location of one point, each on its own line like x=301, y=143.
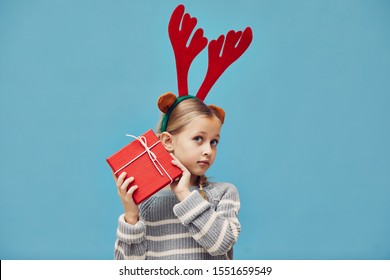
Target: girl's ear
x=167, y=141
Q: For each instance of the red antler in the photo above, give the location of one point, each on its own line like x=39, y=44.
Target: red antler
x=184, y=55
x=230, y=53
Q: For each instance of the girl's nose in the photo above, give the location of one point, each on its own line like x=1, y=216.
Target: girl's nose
x=207, y=150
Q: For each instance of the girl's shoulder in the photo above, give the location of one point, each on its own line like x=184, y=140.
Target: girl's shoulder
x=218, y=190
x=222, y=186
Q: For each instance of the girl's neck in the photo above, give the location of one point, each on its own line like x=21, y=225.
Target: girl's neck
x=193, y=180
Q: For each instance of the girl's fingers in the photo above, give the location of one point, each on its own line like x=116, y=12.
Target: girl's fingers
x=173, y=156
x=126, y=183
x=177, y=162
x=130, y=192
x=119, y=180
x=123, y=184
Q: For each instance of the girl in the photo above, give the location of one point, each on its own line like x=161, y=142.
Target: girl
x=192, y=218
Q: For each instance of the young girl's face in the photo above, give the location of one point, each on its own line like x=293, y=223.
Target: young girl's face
x=196, y=145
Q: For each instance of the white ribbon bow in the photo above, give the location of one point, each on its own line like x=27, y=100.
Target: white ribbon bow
x=142, y=140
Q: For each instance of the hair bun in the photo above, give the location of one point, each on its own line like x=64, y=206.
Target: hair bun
x=219, y=112
x=166, y=101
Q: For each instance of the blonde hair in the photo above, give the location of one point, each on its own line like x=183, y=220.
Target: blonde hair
x=185, y=112
x=182, y=115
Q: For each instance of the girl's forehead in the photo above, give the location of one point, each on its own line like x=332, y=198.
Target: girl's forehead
x=211, y=125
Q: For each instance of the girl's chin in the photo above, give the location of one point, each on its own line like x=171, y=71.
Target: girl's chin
x=196, y=174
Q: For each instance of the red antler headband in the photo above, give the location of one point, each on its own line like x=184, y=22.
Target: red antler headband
x=221, y=53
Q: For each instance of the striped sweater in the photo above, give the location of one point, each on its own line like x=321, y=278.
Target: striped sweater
x=194, y=229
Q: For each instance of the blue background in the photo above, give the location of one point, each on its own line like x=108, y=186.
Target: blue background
x=306, y=138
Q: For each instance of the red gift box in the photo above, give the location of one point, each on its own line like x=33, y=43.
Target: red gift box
x=148, y=162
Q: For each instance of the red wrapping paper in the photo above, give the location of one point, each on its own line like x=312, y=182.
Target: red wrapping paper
x=146, y=175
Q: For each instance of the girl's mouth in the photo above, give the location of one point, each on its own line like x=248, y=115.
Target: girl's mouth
x=204, y=163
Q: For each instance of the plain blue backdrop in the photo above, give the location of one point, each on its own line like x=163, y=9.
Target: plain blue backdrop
x=306, y=138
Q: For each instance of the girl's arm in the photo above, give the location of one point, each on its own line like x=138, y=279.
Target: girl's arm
x=130, y=243
x=215, y=230
x=126, y=196
x=131, y=231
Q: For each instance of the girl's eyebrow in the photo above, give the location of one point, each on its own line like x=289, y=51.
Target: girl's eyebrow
x=204, y=132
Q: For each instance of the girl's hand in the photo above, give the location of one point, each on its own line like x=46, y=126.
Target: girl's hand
x=181, y=186
x=126, y=196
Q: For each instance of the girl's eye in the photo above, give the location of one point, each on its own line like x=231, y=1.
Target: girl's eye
x=214, y=142
x=198, y=139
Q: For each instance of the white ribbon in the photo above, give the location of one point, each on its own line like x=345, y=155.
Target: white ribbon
x=152, y=156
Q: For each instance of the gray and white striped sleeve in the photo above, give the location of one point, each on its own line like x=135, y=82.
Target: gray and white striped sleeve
x=130, y=240
x=215, y=230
